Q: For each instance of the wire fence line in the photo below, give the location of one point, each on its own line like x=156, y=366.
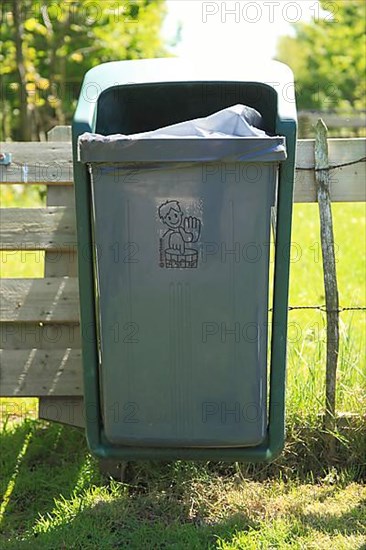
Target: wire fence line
x=325, y=310
x=301, y=168
x=332, y=167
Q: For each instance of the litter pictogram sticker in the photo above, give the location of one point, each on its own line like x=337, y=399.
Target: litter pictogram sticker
x=180, y=232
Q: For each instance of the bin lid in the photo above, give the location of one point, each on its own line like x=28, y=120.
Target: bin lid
x=147, y=71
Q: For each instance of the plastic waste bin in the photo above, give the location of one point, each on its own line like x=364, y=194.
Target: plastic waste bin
x=173, y=238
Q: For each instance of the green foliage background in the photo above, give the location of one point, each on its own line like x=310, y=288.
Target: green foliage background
x=328, y=58
x=58, y=43
x=46, y=46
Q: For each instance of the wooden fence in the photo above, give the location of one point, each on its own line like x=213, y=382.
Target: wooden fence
x=39, y=318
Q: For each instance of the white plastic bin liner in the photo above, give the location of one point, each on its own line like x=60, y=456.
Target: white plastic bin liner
x=230, y=123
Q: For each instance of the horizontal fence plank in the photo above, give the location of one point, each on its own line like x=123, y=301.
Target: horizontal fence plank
x=55, y=167
x=39, y=300
x=51, y=228
x=347, y=184
x=34, y=373
x=37, y=162
x=44, y=336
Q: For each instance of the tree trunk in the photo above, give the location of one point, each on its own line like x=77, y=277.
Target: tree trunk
x=23, y=104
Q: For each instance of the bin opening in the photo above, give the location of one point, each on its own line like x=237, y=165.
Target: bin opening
x=140, y=108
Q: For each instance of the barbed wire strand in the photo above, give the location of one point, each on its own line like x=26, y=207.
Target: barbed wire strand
x=301, y=168
x=333, y=166
x=325, y=310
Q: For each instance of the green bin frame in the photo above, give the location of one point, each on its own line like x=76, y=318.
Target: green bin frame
x=159, y=71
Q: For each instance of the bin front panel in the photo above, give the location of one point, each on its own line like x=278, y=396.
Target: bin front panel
x=181, y=265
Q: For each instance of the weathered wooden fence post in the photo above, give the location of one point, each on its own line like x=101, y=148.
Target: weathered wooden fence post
x=62, y=263
x=329, y=273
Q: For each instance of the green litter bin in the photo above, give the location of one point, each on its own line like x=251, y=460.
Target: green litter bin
x=173, y=241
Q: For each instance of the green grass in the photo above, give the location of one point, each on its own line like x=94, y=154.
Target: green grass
x=307, y=329
x=54, y=497
x=23, y=263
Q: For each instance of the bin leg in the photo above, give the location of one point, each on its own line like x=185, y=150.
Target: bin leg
x=113, y=468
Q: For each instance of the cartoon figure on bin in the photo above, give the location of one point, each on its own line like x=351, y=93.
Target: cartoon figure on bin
x=181, y=230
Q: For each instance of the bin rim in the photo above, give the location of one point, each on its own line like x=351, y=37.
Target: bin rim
x=92, y=148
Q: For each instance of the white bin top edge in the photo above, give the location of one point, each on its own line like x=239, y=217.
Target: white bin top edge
x=92, y=149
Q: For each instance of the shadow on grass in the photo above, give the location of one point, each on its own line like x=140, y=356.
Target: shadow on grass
x=156, y=522
x=152, y=510
x=37, y=463
x=138, y=525
x=54, y=497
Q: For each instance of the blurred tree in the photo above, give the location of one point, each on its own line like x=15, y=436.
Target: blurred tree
x=46, y=47
x=328, y=57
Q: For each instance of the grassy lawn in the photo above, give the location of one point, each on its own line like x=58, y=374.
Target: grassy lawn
x=54, y=497
x=307, y=329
